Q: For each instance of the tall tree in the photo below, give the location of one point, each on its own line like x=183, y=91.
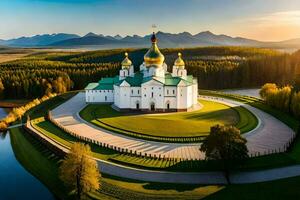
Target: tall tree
x=1, y=89
x=79, y=171
x=225, y=143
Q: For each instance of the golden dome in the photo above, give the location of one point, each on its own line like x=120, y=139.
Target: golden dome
x=126, y=62
x=154, y=57
x=179, y=62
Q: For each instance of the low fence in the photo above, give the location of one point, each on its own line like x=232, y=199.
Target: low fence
x=163, y=157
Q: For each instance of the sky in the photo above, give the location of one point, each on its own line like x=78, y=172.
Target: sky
x=266, y=20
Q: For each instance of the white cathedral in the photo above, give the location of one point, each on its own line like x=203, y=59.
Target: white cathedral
x=152, y=88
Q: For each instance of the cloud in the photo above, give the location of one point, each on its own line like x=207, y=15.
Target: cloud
x=286, y=18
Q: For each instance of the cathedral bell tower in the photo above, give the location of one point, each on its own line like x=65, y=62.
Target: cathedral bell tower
x=179, y=67
x=127, y=68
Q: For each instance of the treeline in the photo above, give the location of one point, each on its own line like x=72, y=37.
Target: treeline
x=284, y=98
x=18, y=113
x=246, y=66
x=215, y=68
x=251, y=72
x=31, y=78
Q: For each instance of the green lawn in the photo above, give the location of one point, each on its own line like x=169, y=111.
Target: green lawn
x=273, y=190
x=42, y=109
x=43, y=164
x=39, y=161
x=184, y=124
x=55, y=133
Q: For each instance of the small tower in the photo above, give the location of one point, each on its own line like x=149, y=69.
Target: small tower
x=127, y=68
x=179, y=67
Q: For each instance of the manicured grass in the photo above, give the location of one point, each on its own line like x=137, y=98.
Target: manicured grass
x=37, y=160
x=42, y=109
x=52, y=131
x=185, y=124
x=131, y=189
x=55, y=133
x=289, y=120
x=138, y=161
x=43, y=164
x=273, y=190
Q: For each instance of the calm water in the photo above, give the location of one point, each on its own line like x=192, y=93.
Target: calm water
x=15, y=181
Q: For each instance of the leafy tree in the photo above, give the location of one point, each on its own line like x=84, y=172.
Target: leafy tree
x=3, y=126
x=79, y=171
x=1, y=89
x=296, y=82
x=266, y=89
x=225, y=143
x=295, y=105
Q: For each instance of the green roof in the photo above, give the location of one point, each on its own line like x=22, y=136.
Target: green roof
x=91, y=86
x=137, y=81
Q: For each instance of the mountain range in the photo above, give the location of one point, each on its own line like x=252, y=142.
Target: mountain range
x=184, y=39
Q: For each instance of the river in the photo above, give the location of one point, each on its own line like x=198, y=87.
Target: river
x=15, y=181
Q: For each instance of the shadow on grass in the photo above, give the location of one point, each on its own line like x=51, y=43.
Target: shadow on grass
x=167, y=186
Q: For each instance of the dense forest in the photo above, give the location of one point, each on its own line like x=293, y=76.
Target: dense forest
x=215, y=67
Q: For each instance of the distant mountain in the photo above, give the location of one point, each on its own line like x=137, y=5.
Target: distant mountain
x=118, y=37
x=184, y=39
x=38, y=40
x=90, y=34
x=287, y=44
x=87, y=41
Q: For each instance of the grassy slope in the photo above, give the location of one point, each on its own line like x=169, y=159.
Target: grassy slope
x=273, y=190
x=189, y=124
x=44, y=165
x=37, y=161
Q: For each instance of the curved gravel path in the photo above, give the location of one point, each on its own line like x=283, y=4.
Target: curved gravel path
x=270, y=135
x=212, y=177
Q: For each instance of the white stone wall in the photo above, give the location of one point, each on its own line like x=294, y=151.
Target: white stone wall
x=152, y=92
x=124, y=95
x=99, y=96
x=117, y=96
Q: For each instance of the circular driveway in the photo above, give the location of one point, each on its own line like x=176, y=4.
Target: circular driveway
x=270, y=134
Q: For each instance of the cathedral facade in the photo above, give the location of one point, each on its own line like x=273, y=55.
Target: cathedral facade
x=152, y=88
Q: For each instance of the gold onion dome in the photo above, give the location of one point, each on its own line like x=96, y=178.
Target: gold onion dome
x=126, y=62
x=154, y=57
x=179, y=61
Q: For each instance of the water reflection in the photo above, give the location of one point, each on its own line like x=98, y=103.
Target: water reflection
x=15, y=181
x=3, y=135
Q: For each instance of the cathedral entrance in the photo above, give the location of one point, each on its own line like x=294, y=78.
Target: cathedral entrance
x=152, y=107
x=137, y=106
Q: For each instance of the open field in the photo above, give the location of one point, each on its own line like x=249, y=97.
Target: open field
x=10, y=57
x=186, y=124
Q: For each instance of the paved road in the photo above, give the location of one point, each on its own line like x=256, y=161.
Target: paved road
x=67, y=115
x=213, y=177
x=247, y=92
x=270, y=135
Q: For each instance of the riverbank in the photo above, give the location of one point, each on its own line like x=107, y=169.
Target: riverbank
x=13, y=103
